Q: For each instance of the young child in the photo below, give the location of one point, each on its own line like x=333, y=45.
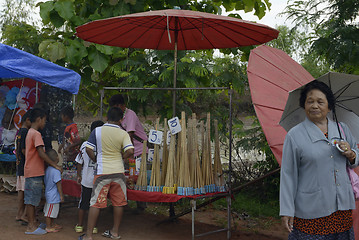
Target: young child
x=85, y=175
x=20, y=162
x=34, y=169
x=70, y=144
x=53, y=193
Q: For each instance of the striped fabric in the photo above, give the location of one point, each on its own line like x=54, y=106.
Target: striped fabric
x=110, y=141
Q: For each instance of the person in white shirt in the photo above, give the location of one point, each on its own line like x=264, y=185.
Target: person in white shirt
x=85, y=175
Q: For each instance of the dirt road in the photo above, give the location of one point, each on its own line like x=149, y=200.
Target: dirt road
x=134, y=226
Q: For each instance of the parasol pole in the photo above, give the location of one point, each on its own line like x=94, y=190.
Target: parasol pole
x=175, y=70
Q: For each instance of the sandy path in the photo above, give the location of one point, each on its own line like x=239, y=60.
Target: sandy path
x=133, y=227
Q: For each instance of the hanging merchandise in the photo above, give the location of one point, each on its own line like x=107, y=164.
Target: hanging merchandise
x=10, y=99
x=18, y=117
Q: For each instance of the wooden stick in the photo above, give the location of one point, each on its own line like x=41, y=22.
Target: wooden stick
x=218, y=172
x=164, y=153
x=142, y=176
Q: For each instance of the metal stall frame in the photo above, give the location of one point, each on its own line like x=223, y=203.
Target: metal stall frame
x=228, y=195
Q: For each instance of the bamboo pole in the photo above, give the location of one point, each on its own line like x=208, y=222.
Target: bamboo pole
x=197, y=182
x=141, y=183
x=164, y=153
x=217, y=166
x=207, y=159
x=169, y=187
x=155, y=182
x=184, y=183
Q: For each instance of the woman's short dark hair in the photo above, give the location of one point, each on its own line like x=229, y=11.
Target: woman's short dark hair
x=116, y=99
x=115, y=114
x=321, y=87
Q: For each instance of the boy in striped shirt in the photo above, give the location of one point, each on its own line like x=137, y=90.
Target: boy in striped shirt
x=112, y=145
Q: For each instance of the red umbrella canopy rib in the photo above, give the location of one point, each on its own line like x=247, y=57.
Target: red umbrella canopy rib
x=272, y=74
x=161, y=29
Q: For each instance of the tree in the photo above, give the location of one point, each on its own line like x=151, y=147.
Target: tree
x=335, y=30
x=296, y=43
x=110, y=66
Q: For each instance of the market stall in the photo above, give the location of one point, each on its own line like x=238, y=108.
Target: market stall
x=21, y=76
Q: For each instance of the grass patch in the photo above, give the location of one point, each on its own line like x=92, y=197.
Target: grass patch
x=246, y=203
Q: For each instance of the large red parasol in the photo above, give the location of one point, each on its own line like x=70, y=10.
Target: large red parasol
x=175, y=30
x=272, y=74
x=162, y=29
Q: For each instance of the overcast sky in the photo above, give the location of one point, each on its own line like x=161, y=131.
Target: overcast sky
x=271, y=18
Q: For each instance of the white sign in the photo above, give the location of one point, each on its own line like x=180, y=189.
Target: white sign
x=151, y=153
x=138, y=165
x=168, y=138
x=175, y=126
x=155, y=137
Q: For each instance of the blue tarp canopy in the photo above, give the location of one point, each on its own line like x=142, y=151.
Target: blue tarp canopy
x=15, y=63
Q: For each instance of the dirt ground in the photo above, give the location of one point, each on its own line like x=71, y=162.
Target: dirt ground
x=138, y=226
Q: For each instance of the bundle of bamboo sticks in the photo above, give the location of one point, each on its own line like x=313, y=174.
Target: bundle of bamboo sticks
x=141, y=183
x=193, y=153
x=184, y=176
x=207, y=171
x=169, y=186
x=164, y=154
x=155, y=182
x=185, y=168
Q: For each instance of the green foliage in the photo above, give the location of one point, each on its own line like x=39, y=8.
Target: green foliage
x=250, y=202
x=334, y=29
x=296, y=43
x=110, y=66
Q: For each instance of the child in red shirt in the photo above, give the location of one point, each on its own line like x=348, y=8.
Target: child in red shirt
x=70, y=144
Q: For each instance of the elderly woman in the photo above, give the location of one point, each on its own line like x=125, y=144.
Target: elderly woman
x=316, y=196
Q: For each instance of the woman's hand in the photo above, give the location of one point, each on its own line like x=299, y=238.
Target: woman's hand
x=348, y=152
x=288, y=223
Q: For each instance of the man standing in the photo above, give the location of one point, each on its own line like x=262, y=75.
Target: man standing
x=113, y=145
x=132, y=125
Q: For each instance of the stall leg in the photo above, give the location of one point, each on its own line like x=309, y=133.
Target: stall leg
x=172, y=210
x=229, y=205
x=193, y=205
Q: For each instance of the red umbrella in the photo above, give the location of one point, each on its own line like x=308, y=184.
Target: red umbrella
x=175, y=30
x=162, y=29
x=272, y=74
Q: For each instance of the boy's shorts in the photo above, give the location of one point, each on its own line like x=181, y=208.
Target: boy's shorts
x=112, y=186
x=20, y=183
x=84, y=203
x=33, y=190
x=51, y=210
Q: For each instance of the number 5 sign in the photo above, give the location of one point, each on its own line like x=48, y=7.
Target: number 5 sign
x=175, y=126
x=155, y=137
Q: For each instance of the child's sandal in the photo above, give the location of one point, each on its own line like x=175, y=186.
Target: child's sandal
x=51, y=230
x=79, y=229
